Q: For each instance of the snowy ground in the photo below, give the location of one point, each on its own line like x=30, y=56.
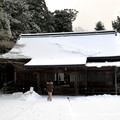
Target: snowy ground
x=29, y=106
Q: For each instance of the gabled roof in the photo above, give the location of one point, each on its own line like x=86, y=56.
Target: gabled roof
x=69, y=48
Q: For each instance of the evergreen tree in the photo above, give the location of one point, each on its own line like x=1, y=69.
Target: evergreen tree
x=116, y=24
x=5, y=32
x=1, y=1
x=99, y=26
x=28, y=16
x=63, y=19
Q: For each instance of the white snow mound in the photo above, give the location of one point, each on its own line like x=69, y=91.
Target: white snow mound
x=17, y=94
x=30, y=95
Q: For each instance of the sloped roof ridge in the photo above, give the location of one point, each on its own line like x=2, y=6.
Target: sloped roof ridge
x=55, y=34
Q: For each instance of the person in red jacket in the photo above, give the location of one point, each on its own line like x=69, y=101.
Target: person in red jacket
x=49, y=87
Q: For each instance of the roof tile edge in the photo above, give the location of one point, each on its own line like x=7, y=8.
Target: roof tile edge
x=56, y=34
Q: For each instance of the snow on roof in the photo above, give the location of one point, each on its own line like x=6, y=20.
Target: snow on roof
x=65, y=48
x=100, y=64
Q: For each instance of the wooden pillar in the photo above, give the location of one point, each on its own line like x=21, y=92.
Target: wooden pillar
x=116, y=86
x=86, y=81
x=38, y=83
x=15, y=73
x=46, y=77
x=76, y=84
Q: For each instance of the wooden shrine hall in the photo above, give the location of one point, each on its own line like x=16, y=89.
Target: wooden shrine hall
x=78, y=63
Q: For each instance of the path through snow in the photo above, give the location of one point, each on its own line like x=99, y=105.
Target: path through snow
x=45, y=110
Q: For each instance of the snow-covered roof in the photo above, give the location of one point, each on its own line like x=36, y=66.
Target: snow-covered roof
x=100, y=64
x=65, y=48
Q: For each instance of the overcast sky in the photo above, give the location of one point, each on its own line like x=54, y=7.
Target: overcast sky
x=90, y=11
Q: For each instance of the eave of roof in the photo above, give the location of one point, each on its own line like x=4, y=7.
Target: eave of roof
x=56, y=34
x=103, y=59
x=3, y=60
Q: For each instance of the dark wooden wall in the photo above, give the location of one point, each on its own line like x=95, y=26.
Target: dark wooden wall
x=82, y=80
